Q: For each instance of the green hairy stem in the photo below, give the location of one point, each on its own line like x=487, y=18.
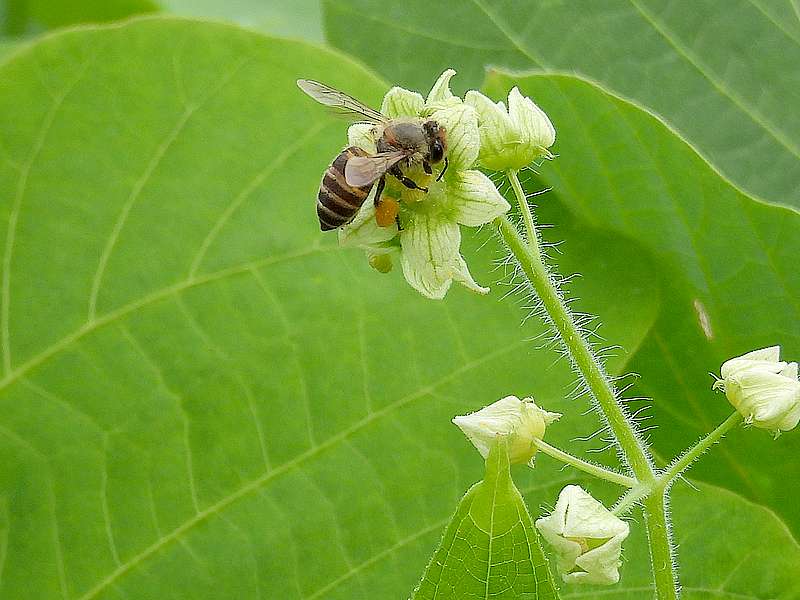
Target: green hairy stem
x=529, y=256
x=528, y=253
x=585, y=466
x=678, y=466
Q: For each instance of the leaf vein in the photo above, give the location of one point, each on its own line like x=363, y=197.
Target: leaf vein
x=22, y=186
x=256, y=484
x=247, y=191
x=706, y=72
x=144, y=179
x=153, y=297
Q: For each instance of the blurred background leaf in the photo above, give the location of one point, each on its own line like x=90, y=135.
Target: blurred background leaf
x=299, y=19
x=723, y=74
x=30, y=16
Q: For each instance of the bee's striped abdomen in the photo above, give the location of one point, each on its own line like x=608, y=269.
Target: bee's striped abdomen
x=338, y=202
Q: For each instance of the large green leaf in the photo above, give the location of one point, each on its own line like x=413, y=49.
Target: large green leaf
x=490, y=548
x=202, y=396
x=724, y=74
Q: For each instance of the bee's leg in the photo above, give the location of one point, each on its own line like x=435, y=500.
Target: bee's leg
x=379, y=191
x=441, y=173
x=406, y=181
x=426, y=166
x=397, y=220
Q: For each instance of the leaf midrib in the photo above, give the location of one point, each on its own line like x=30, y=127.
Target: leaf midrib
x=160, y=294
x=16, y=207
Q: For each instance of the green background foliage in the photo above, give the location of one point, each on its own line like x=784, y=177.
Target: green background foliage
x=202, y=396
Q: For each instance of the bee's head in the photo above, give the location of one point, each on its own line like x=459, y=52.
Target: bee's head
x=435, y=136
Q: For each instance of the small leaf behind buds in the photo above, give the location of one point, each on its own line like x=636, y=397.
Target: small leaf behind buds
x=490, y=548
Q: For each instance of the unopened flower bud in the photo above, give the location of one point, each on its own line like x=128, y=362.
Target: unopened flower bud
x=381, y=262
x=513, y=138
x=764, y=389
x=521, y=421
x=586, y=537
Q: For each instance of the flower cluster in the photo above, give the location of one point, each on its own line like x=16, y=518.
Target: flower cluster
x=479, y=133
x=764, y=389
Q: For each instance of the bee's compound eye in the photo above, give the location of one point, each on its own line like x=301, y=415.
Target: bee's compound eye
x=437, y=151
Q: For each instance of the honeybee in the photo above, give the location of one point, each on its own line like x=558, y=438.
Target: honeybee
x=348, y=181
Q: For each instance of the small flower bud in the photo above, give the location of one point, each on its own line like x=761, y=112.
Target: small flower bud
x=381, y=262
x=511, y=139
x=586, y=537
x=521, y=420
x=764, y=389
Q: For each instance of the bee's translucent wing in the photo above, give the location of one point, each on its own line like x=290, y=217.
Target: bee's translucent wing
x=364, y=170
x=339, y=100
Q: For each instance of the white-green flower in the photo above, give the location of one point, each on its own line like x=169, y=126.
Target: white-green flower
x=429, y=243
x=513, y=138
x=586, y=537
x=520, y=421
x=764, y=389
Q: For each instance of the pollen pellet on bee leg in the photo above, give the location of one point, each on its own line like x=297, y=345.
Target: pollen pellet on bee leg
x=386, y=211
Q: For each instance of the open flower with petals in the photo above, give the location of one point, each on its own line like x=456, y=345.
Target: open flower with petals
x=521, y=421
x=513, y=138
x=429, y=242
x=586, y=537
x=763, y=388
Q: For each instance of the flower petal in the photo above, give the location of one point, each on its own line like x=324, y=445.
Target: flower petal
x=363, y=136
x=792, y=418
x=496, y=130
x=767, y=359
x=771, y=354
x=462, y=275
x=363, y=231
x=600, y=565
x=430, y=250
x=399, y=102
x=790, y=370
x=463, y=139
x=566, y=551
x=441, y=89
x=474, y=198
x=588, y=518
x=530, y=120
x=586, y=537
x=769, y=400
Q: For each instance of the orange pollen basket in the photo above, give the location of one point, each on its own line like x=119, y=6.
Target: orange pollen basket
x=386, y=211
